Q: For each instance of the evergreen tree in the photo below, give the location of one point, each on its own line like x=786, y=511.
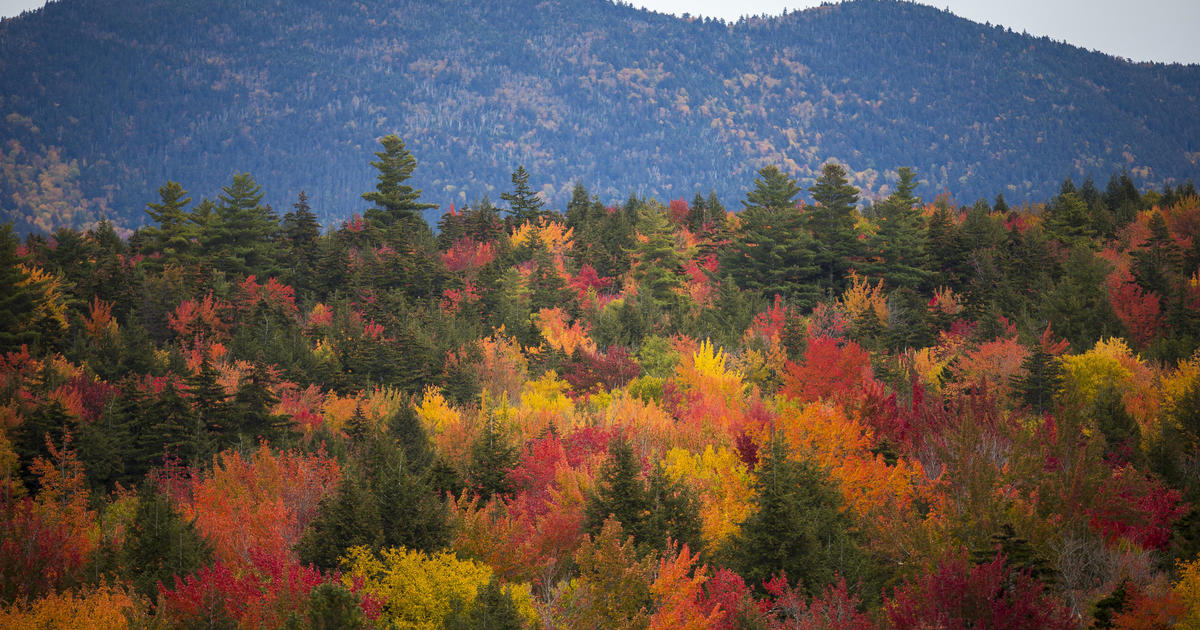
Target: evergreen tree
x=796, y=527
x=173, y=237
x=1000, y=206
x=160, y=544
x=579, y=210
x=832, y=224
x=301, y=231
x=620, y=494
x=252, y=409
x=771, y=253
x=395, y=201
x=1041, y=380
x=492, y=457
x=1068, y=220
x=524, y=204
x=493, y=609
x=659, y=267
x=17, y=296
x=772, y=190
x=411, y=514
x=348, y=518
x=944, y=248
x=332, y=606
x=245, y=230
x=898, y=243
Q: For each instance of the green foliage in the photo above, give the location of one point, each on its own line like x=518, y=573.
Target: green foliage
x=395, y=201
x=524, y=204
x=160, y=543
x=832, y=224
x=796, y=527
x=333, y=607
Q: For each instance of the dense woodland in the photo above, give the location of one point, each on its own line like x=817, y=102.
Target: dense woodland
x=914, y=414
x=101, y=101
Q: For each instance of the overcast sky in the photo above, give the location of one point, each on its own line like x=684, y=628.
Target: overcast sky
x=1142, y=30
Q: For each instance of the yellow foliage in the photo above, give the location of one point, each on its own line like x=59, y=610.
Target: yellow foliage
x=557, y=238
x=436, y=413
x=1107, y=363
x=50, y=305
x=724, y=486
x=103, y=607
x=861, y=297
x=417, y=589
x=1188, y=590
x=546, y=394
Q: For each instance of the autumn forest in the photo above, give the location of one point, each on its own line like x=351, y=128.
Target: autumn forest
x=806, y=408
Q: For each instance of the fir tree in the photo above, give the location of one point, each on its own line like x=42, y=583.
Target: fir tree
x=492, y=456
x=160, y=544
x=796, y=527
x=524, y=204
x=832, y=224
x=395, y=201
x=245, y=230
x=173, y=237
x=772, y=190
x=17, y=296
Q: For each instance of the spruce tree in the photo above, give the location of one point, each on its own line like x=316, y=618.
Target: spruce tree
x=245, y=231
x=832, y=223
x=160, y=544
x=17, y=297
x=796, y=527
x=173, y=237
x=524, y=204
x=898, y=243
x=492, y=456
x=772, y=190
x=348, y=518
x=395, y=201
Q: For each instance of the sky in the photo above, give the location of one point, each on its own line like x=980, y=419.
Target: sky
x=1141, y=30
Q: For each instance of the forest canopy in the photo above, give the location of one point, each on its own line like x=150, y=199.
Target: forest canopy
x=910, y=413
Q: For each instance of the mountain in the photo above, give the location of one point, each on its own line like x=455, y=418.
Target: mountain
x=102, y=101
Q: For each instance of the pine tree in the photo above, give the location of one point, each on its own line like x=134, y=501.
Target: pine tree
x=832, y=224
x=160, y=544
x=395, y=201
x=944, y=248
x=772, y=190
x=411, y=513
x=245, y=230
x=524, y=204
x=493, y=609
x=796, y=527
x=17, y=296
x=252, y=409
x=173, y=237
x=659, y=267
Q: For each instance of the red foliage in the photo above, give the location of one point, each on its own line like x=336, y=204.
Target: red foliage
x=46, y=542
x=1135, y=506
x=836, y=609
x=769, y=324
x=263, y=596
x=587, y=279
x=273, y=294
x=202, y=319
x=592, y=372
x=829, y=370
x=1140, y=311
x=534, y=474
x=959, y=595
x=468, y=255
x=727, y=591
x=679, y=211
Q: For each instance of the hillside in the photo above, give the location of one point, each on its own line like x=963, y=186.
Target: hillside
x=101, y=102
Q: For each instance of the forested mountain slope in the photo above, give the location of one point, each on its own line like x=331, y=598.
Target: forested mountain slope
x=102, y=101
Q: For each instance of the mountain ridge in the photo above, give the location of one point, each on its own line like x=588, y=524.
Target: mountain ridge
x=618, y=98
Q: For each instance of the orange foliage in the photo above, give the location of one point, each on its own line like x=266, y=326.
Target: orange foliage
x=107, y=607
x=258, y=505
x=561, y=335
x=678, y=590
x=827, y=436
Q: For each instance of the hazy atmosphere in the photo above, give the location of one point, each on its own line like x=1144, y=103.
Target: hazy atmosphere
x=1150, y=30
